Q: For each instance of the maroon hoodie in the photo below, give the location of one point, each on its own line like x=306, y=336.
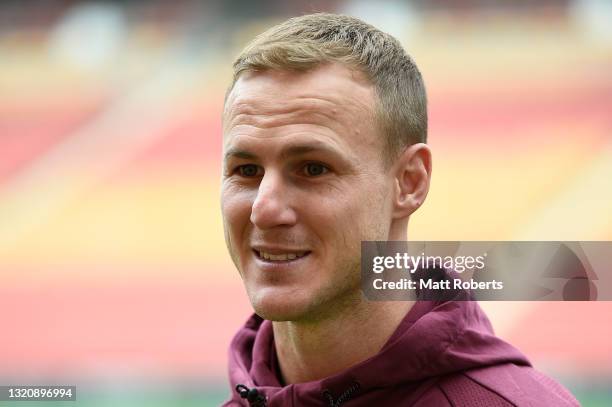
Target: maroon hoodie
x=441, y=354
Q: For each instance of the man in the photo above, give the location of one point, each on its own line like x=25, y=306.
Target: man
x=325, y=126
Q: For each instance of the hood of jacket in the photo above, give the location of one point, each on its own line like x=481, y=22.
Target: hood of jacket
x=433, y=339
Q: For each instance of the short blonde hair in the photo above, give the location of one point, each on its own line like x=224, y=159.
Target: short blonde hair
x=302, y=43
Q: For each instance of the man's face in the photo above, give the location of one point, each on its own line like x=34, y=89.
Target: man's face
x=303, y=184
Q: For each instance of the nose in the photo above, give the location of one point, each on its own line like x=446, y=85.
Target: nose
x=272, y=207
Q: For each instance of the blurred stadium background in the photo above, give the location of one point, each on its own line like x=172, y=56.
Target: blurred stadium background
x=114, y=273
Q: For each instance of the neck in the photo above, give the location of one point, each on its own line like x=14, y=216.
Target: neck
x=314, y=350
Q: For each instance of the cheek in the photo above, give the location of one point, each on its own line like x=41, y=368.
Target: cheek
x=335, y=220
x=236, y=210
x=366, y=212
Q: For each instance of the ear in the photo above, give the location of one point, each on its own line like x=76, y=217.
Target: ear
x=412, y=177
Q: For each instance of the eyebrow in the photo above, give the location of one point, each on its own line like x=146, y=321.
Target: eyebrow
x=293, y=150
x=236, y=153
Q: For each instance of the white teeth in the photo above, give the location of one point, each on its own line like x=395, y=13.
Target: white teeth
x=280, y=257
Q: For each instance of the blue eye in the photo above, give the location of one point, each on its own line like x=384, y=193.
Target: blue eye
x=248, y=170
x=315, y=169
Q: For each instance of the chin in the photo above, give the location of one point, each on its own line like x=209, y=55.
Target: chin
x=278, y=306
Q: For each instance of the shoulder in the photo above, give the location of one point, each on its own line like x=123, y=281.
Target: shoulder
x=503, y=385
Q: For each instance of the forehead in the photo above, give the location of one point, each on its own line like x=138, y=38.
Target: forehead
x=332, y=81
x=331, y=97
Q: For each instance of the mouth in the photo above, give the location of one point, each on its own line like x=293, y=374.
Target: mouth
x=283, y=257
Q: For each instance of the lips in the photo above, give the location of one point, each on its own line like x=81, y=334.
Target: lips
x=280, y=255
